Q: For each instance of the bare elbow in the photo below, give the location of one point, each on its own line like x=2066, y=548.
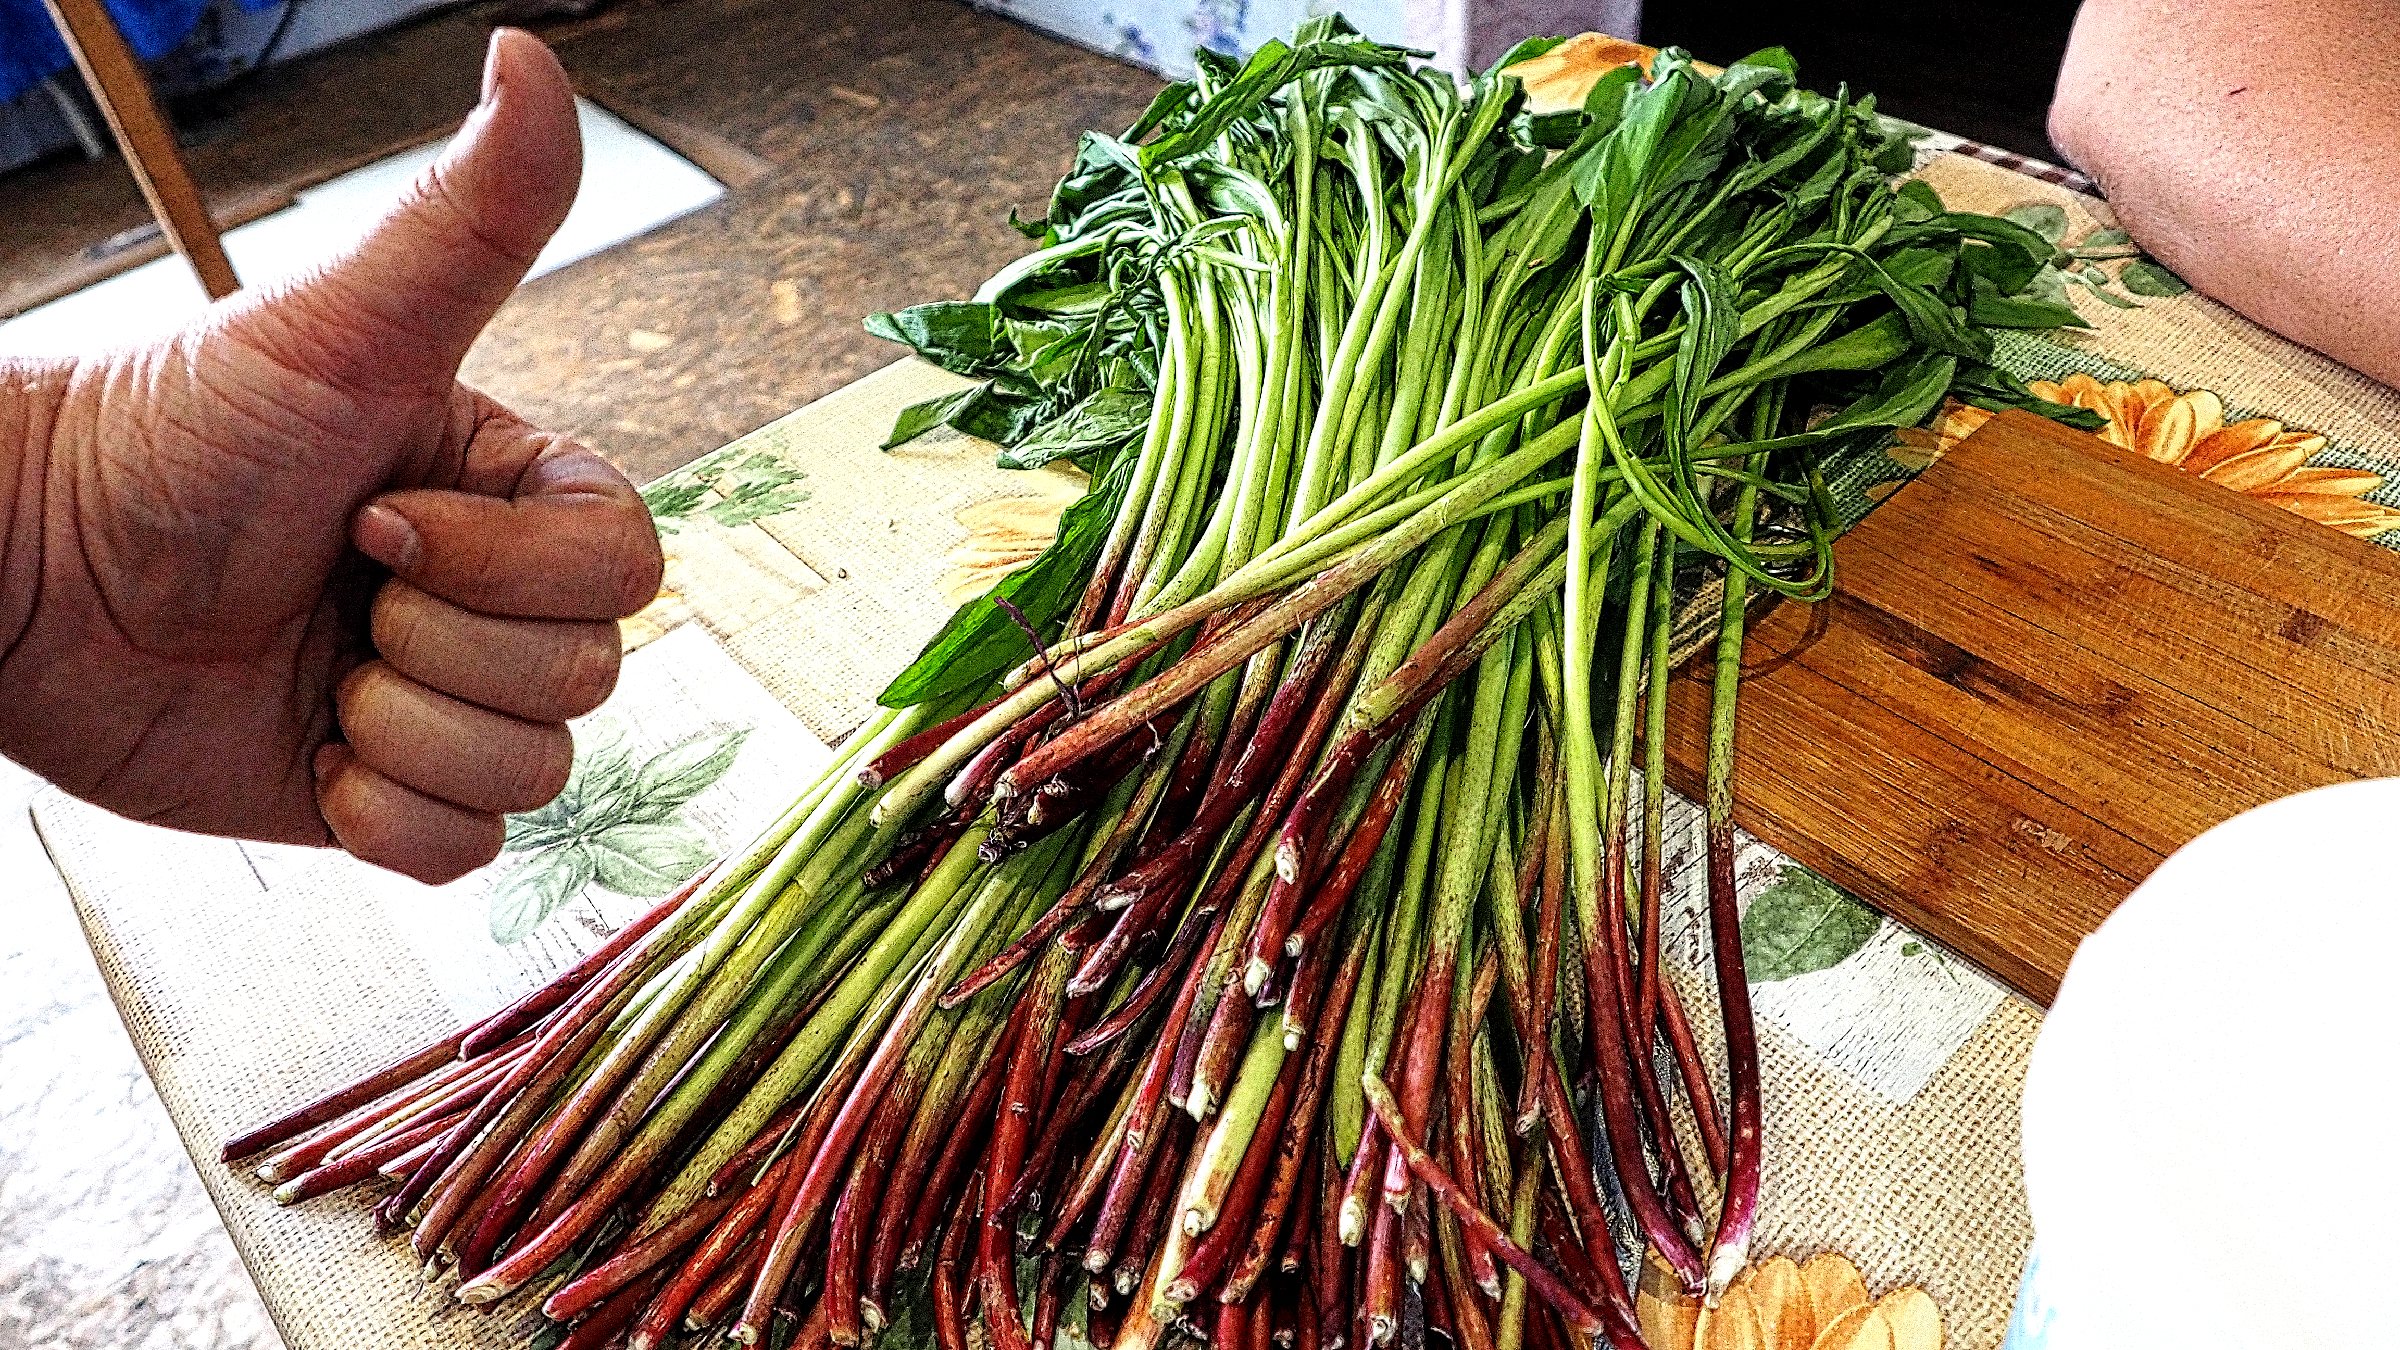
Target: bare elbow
x=2087, y=100
x=2073, y=119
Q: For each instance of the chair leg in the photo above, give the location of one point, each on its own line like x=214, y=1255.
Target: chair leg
x=123, y=92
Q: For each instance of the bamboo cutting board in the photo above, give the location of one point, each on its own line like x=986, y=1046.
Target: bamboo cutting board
x=2049, y=663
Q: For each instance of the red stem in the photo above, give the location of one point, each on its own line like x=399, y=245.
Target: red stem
x=1619, y=1109
x=611, y=1318
x=506, y=1024
x=995, y=1267
x=1740, y=1210
x=908, y=753
x=724, y=1291
x=962, y=1145
x=737, y=1228
x=355, y=1167
x=1549, y=1287
x=400, y=1072
x=1695, y=1078
x=949, y=1317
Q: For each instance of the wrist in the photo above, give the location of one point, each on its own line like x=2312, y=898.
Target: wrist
x=33, y=395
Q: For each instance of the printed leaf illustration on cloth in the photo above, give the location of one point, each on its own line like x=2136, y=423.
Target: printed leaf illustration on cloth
x=1803, y=924
x=615, y=825
x=2080, y=262
x=748, y=489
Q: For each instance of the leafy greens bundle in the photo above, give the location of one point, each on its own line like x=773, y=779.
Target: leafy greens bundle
x=1179, y=952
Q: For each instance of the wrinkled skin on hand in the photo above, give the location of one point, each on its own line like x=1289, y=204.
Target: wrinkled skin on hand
x=281, y=576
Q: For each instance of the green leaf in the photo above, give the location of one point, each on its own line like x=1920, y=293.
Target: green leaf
x=1869, y=346
x=2144, y=276
x=1800, y=925
x=647, y=860
x=1777, y=58
x=1274, y=65
x=1993, y=388
x=2105, y=239
x=2043, y=218
x=684, y=772
x=957, y=335
x=1917, y=201
x=1995, y=310
x=534, y=892
x=1111, y=419
x=982, y=639
x=1906, y=395
x=918, y=418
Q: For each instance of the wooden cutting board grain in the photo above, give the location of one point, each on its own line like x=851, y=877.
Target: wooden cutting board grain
x=2048, y=663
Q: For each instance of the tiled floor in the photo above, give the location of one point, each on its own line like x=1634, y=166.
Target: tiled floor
x=106, y=1239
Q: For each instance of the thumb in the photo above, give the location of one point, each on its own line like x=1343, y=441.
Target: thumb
x=400, y=308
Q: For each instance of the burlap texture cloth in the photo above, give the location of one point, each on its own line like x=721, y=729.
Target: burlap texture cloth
x=251, y=978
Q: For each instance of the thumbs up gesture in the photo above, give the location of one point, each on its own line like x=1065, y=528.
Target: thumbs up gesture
x=281, y=576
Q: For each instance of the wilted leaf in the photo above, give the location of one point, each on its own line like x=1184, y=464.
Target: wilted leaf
x=1109, y=420
x=1915, y=1322
x=2043, y=218
x=1800, y=925
x=957, y=335
x=924, y=415
x=534, y=891
x=646, y=860
x=2105, y=239
x=2143, y=276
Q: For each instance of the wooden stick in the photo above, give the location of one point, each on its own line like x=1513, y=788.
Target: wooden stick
x=123, y=91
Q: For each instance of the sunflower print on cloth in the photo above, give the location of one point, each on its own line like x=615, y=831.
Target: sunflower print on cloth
x=2259, y=456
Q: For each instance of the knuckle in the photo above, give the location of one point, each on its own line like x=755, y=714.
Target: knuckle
x=534, y=776
x=397, y=619
x=586, y=673
x=640, y=565
x=361, y=703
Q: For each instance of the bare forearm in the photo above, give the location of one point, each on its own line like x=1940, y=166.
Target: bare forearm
x=31, y=392
x=2247, y=144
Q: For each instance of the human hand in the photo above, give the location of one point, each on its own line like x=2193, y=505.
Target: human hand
x=189, y=633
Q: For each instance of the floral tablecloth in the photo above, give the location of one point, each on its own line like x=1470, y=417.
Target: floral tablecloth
x=806, y=564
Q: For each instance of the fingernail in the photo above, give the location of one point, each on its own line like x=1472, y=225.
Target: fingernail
x=491, y=65
x=567, y=472
x=386, y=536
